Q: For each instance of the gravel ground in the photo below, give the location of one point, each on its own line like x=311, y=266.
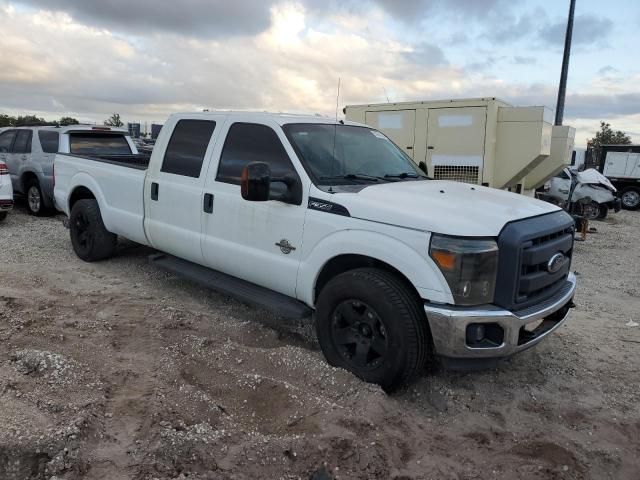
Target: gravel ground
x=116, y=370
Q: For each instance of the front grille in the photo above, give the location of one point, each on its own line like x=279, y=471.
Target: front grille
x=525, y=249
x=456, y=173
x=535, y=281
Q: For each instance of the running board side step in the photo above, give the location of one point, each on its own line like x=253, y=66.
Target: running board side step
x=244, y=291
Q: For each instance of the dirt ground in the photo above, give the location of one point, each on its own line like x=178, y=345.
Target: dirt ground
x=116, y=370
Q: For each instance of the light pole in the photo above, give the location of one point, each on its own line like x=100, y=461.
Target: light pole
x=562, y=90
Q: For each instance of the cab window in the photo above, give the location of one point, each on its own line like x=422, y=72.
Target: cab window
x=252, y=142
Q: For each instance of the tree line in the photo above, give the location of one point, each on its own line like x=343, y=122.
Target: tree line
x=33, y=121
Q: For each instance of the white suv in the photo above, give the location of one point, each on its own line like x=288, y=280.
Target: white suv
x=6, y=192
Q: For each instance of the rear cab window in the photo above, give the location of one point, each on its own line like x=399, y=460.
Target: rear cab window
x=49, y=141
x=187, y=147
x=92, y=143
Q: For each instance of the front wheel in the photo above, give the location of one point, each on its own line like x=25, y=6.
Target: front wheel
x=90, y=239
x=371, y=324
x=630, y=198
x=3, y=215
x=591, y=210
x=604, y=211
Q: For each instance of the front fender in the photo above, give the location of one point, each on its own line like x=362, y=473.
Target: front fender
x=414, y=264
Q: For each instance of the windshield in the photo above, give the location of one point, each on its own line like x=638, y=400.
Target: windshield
x=347, y=154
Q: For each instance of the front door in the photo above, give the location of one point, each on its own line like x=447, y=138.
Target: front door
x=173, y=195
x=398, y=125
x=260, y=242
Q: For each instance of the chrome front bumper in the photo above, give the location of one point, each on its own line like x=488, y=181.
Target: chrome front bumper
x=449, y=325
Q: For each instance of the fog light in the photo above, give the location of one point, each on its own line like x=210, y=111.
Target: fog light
x=475, y=333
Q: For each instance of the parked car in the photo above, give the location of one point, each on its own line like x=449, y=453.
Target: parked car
x=275, y=210
x=593, y=192
x=621, y=165
x=6, y=192
x=29, y=153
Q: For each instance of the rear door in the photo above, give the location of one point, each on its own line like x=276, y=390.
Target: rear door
x=398, y=125
x=455, y=143
x=260, y=242
x=173, y=192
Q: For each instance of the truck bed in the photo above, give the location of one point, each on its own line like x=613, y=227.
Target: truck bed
x=139, y=161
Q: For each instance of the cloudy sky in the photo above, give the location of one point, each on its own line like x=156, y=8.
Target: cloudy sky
x=148, y=58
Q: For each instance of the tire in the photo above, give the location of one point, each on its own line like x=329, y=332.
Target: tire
x=591, y=210
x=630, y=198
x=3, y=215
x=370, y=323
x=90, y=239
x=604, y=211
x=35, y=201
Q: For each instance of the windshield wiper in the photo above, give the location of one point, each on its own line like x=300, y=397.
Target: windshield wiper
x=402, y=175
x=354, y=176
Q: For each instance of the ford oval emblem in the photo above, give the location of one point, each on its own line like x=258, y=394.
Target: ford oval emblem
x=556, y=262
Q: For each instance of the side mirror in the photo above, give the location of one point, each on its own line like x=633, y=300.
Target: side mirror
x=255, y=182
x=256, y=185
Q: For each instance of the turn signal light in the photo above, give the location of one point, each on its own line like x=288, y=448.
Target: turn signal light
x=3, y=169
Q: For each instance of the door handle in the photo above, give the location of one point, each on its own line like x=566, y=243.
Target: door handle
x=430, y=147
x=154, y=191
x=409, y=148
x=208, y=203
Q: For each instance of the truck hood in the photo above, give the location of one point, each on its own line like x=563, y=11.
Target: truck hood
x=450, y=208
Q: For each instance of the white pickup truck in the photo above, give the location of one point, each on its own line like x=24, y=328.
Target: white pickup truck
x=305, y=214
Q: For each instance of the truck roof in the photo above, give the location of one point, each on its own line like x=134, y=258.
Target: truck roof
x=279, y=118
x=70, y=128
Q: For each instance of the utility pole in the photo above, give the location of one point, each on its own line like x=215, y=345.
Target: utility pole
x=562, y=90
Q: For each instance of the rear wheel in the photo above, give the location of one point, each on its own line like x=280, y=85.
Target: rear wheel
x=3, y=215
x=35, y=202
x=90, y=239
x=371, y=324
x=630, y=198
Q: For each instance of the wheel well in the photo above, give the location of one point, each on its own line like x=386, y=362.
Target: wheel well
x=344, y=263
x=80, y=193
x=26, y=177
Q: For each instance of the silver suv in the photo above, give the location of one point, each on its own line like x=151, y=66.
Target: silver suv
x=29, y=153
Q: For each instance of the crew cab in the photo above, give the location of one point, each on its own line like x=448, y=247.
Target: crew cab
x=29, y=153
x=308, y=215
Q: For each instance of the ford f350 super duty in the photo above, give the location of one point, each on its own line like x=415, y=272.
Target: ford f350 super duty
x=278, y=211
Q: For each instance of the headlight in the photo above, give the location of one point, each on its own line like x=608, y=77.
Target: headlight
x=469, y=265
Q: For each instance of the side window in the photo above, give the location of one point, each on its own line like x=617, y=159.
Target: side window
x=6, y=139
x=23, y=142
x=250, y=142
x=49, y=141
x=187, y=146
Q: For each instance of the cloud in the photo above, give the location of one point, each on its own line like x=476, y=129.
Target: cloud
x=426, y=54
x=208, y=18
x=518, y=60
x=417, y=10
x=587, y=29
